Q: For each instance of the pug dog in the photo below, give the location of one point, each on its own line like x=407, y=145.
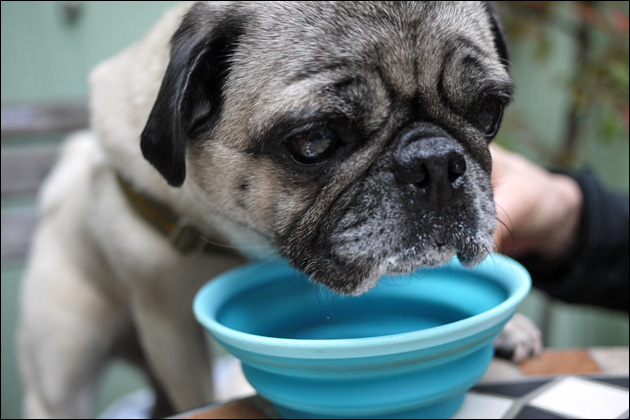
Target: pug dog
x=350, y=138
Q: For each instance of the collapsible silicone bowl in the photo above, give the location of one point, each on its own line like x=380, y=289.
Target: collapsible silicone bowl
x=410, y=347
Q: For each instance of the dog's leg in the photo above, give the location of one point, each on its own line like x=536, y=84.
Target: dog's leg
x=129, y=349
x=65, y=335
x=519, y=340
x=172, y=340
x=174, y=344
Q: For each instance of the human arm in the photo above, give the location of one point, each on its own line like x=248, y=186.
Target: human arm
x=568, y=231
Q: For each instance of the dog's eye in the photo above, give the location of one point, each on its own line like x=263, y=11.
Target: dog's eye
x=489, y=117
x=314, y=145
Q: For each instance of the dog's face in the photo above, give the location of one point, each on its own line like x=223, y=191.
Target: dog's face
x=353, y=136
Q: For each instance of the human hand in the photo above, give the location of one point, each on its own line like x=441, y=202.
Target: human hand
x=537, y=211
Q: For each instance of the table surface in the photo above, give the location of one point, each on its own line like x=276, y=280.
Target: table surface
x=593, y=362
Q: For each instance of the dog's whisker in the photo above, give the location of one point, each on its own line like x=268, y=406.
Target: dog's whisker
x=504, y=224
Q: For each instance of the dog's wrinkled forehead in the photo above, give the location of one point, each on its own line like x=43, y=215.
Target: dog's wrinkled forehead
x=237, y=70
x=297, y=54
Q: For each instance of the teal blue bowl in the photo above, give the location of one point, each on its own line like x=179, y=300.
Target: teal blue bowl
x=409, y=348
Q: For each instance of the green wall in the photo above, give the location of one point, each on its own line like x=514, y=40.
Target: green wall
x=46, y=56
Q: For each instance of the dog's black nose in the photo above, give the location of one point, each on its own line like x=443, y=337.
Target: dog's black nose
x=434, y=168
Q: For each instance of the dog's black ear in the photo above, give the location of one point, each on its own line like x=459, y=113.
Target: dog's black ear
x=190, y=97
x=500, y=40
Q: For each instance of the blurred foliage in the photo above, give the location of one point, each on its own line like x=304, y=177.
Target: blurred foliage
x=598, y=85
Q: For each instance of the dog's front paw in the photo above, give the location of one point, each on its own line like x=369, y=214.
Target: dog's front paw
x=519, y=340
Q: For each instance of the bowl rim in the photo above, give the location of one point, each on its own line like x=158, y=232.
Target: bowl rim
x=517, y=284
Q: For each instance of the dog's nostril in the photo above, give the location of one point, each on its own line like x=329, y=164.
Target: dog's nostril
x=422, y=176
x=456, y=167
x=415, y=172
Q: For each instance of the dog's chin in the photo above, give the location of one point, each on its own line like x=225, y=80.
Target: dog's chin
x=407, y=262
x=357, y=276
x=410, y=261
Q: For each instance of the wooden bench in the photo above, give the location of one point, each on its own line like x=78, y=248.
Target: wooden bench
x=31, y=137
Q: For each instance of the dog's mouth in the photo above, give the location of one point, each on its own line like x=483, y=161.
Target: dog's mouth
x=353, y=257
x=411, y=245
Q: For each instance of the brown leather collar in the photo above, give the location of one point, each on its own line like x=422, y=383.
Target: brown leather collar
x=182, y=235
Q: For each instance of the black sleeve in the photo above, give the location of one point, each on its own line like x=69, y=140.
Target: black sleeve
x=595, y=272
